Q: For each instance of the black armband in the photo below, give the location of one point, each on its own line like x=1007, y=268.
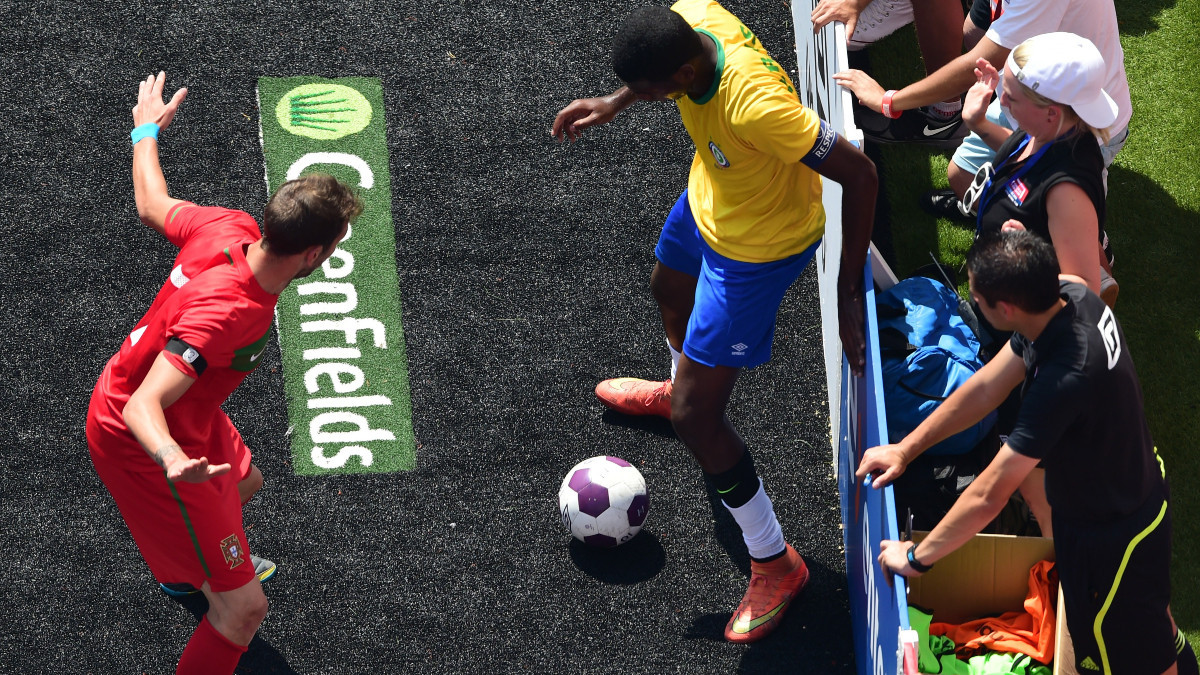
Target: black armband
x=188, y=353
x=821, y=150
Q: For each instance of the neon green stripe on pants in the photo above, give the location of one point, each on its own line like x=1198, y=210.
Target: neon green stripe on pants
x=1112, y=592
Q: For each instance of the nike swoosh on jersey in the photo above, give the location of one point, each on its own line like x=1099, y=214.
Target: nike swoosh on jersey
x=743, y=627
x=260, y=353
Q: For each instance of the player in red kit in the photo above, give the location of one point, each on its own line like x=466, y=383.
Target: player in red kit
x=173, y=461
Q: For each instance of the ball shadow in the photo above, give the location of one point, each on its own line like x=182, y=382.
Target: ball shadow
x=637, y=560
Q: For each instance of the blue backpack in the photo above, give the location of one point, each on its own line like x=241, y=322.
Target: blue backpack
x=927, y=351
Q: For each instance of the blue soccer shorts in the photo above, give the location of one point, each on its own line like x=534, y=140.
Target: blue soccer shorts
x=733, y=320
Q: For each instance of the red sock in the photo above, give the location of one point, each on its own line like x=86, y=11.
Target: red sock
x=209, y=652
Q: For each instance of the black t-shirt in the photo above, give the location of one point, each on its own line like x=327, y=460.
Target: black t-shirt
x=1081, y=413
x=1076, y=159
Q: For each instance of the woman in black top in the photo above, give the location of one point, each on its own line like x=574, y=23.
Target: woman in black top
x=1047, y=177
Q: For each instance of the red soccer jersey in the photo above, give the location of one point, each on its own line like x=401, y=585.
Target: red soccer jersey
x=211, y=302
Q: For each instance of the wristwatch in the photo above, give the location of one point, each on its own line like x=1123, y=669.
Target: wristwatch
x=914, y=563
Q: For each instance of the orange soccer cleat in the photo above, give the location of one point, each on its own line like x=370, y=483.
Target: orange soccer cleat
x=773, y=585
x=634, y=396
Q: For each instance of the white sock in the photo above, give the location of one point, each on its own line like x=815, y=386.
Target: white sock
x=675, y=354
x=947, y=109
x=760, y=527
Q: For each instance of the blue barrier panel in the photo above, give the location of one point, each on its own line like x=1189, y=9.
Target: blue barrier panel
x=878, y=605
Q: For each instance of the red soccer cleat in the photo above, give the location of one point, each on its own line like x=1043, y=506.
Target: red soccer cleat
x=634, y=396
x=773, y=585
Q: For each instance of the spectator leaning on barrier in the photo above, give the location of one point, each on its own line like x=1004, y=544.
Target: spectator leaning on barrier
x=937, y=25
x=737, y=238
x=1081, y=414
x=1014, y=21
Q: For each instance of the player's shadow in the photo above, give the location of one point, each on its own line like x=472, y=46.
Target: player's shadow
x=637, y=560
x=815, y=631
x=659, y=426
x=261, y=657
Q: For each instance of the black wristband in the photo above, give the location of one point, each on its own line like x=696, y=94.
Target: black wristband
x=914, y=563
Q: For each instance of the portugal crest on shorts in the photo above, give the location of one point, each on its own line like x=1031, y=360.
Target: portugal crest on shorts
x=719, y=156
x=231, y=548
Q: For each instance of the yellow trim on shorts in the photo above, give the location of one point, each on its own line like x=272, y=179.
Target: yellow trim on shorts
x=1105, y=667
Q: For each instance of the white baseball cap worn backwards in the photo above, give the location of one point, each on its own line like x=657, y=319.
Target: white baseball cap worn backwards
x=1067, y=69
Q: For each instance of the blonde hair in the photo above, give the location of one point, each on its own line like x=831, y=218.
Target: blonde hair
x=1020, y=56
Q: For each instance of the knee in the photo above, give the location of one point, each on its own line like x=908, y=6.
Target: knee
x=249, y=616
x=959, y=179
x=671, y=288
x=239, y=615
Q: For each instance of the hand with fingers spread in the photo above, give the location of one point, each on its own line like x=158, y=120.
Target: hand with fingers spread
x=150, y=108
x=189, y=470
x=863, y=86
x=980, y=94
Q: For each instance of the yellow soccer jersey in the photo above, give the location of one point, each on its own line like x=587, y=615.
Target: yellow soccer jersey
x=752, y=198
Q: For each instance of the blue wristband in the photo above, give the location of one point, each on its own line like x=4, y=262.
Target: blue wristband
x=147, y=130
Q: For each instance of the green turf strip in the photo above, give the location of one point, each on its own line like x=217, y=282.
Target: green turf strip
x=340, y=334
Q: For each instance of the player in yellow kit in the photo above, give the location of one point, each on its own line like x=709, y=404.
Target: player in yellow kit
x=737, y=238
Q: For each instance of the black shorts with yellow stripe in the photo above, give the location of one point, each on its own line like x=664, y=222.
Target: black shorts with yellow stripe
x=1116, y=585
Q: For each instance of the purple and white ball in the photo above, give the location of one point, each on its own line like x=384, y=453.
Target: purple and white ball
x=603, y=501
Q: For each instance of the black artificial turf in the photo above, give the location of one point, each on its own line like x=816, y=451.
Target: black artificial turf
x=523, y=270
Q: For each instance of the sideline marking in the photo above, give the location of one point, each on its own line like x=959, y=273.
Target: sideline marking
x=340, y=333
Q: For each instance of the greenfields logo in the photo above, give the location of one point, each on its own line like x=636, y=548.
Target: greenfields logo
x=322, y=111
x=345, y=372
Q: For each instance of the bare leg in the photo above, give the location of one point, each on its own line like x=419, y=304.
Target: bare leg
x=959, y=179
x=938, y=24
x=698, y=413
x=237, y=614
x=675, y=292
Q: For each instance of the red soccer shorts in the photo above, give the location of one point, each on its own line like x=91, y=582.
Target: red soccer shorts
x=187, y=532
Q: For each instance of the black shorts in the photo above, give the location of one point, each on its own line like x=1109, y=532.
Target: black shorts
x=1116, y=584
x=981, y=14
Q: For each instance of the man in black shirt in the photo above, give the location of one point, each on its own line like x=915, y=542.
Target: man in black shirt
x=1081, y=415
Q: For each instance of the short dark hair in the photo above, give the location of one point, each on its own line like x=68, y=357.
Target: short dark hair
x=308, y=211
x=1017, y=267
x=652, y=43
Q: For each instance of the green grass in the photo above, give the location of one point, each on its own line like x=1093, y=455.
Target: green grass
x=1153, y=222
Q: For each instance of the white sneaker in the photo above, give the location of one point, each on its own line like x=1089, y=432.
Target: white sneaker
x=880, y=19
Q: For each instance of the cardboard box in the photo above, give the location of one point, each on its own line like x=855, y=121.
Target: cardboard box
x=988, y=576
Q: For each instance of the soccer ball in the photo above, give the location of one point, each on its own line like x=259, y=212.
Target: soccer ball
x=603, y=501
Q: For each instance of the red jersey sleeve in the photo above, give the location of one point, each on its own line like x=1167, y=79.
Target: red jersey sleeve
x=185, y=220
x=205, y=327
